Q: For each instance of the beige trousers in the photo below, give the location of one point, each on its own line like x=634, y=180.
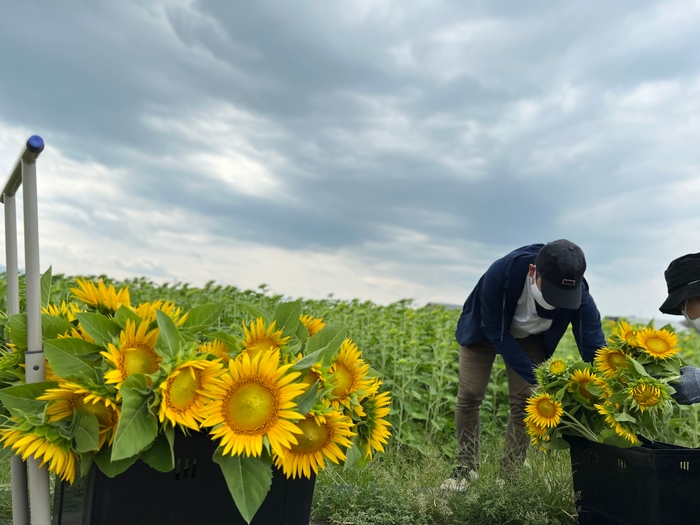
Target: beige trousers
x=475, y=363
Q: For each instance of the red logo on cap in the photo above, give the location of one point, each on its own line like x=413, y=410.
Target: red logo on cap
x=568, y=282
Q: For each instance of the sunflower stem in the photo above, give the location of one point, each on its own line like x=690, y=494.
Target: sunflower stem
x=581, y=427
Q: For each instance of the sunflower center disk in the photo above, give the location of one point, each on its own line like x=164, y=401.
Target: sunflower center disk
x=582, y=389
x=314, y=436
x=546, y=408
x=657, y=346
x=101, y=412
x=183, y=390
x=140, y=361
x=646, y=396
x=617, y=361
x=311, y=377
x=251, y=407
x=343, y=381
x=557, y=367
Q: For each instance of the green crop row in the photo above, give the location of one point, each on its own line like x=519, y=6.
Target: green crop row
x=413, y=349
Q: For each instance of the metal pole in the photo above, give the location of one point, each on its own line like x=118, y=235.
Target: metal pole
x=20, y=500
x=34, y=359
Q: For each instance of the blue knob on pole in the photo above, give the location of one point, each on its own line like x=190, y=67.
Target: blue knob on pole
x=35, y=144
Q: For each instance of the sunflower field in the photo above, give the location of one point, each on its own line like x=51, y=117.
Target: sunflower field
x=410, y=349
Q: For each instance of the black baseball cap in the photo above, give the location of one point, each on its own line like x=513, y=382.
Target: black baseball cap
x=682, y=281
x=561, y=265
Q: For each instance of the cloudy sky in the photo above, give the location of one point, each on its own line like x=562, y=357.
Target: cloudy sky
x=371, y=149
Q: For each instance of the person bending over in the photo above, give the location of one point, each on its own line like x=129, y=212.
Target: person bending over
x=520, y=309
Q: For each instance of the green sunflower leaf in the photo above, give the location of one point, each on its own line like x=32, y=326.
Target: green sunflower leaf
x=233, y=342
x=52, y=326
x=255, y=312
x=87, y=431
x=160, y=454
x=86, y=461
x=202, y=317
x=99, y=327
x=46, y=287
x=21, y=399
x=307, y=399
x=248, y=479
x=66, y=363
x=18, y=330
x=302, y=333
x=327, y=342
x=74, y=346
x=638, y=367
x=168, y=344
x=354, y=457
x=112, y=468
x=624, y=416
x=125, y=314
x=287, y=317
x=137, y=427
x=557, y=443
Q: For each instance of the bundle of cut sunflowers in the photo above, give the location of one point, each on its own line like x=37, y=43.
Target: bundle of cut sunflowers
x=624, y=393
x=284, y=390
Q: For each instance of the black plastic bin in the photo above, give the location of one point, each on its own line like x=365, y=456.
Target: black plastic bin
x=655, y=484
x=195, y=493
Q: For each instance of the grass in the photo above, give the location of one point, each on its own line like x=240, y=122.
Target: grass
x=404, y=487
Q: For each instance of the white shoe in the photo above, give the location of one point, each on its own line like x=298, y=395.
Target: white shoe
x=460, y=479
x=455, y=485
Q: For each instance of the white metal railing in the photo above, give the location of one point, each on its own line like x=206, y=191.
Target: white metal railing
x=24, y=174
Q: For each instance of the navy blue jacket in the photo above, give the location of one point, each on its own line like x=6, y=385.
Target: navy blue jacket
x=490, y=308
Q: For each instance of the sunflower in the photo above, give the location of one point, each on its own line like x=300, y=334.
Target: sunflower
x=254, y=398
x=78, y=333
x=625, y=333
x=660, y=344
x=348, y=374
x=557, y=367
x=646, y=396
x=147, y=311
x=601, y=383
x=184, y=399
x=619, y=428
x=136, y=353
x=216, y=347
x=578, y=381
x=69, y=397
x=30, y=443
x=543, y=411
x=66, y=311
x=610, y=360
x=313, y=325
x=258, y=338
x=375, y=429
x=537, y=434
x=317, y=372
x=101, y=296
x=316, y=440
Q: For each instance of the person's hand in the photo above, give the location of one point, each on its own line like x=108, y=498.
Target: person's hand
x=688, y=388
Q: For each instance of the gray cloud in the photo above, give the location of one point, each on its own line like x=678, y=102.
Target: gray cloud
x=410, y=125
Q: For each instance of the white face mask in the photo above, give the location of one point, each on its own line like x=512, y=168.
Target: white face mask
x=537, y=294
x=695, y=323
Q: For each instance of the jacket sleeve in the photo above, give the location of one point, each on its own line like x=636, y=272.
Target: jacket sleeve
x=497, y=327
x=587, y=328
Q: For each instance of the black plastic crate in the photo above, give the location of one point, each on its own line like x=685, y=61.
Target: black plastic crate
x=655, y=484
x=195, y=493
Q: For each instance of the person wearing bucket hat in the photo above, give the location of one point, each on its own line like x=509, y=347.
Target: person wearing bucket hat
x=520, y=309
x=683, y=284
